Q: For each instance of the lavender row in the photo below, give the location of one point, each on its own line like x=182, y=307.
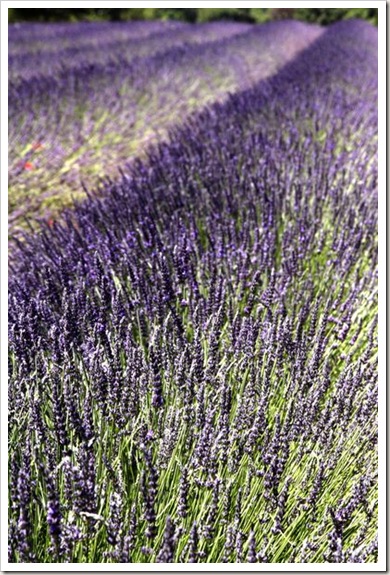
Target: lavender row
x=81, y=125
x=65, y=54
x=193, y=352
x=31, y=38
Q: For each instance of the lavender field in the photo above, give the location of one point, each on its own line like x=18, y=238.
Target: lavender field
x=193, y=293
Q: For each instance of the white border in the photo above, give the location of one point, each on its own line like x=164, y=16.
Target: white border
x=206, y=567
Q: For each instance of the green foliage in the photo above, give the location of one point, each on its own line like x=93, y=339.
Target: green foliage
x=325, y=16
x=60, y=14
x=370, y=14
x=237, y=14
x=260, y=15
x=322, y=16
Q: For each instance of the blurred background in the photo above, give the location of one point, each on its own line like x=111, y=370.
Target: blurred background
x=255, y=15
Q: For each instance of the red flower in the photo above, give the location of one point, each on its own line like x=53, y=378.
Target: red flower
x=28, y=166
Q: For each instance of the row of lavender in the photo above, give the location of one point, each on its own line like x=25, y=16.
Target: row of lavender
x=49, y=50
x=57, y=125
x=193, y=352
x=32, y=37
x=79, y=123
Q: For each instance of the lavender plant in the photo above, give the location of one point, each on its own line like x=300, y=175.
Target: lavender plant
x=77, y=115
x=192, y=358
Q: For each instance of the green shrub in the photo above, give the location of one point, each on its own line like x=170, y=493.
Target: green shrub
x=321, y=16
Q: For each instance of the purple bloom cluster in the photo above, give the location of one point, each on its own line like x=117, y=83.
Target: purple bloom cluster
x=60, y=131
x=193, y=349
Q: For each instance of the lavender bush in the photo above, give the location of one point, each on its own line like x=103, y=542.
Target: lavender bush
x=192, y=358
x=43, y=50
x=79, y=113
